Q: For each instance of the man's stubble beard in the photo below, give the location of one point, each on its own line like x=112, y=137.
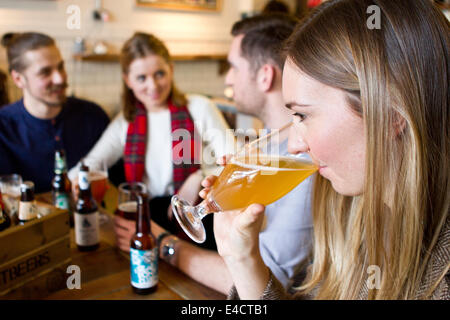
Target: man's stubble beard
x=48, y=102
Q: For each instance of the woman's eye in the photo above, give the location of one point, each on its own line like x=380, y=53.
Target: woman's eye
x=299, y=116
x=160, y=74
x=141, y=78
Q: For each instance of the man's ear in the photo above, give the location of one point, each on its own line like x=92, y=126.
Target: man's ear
x=266, y=77
x=18, y=78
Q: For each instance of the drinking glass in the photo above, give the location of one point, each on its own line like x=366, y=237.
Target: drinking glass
x=127, y=199
x=98, y=178
x=262, y=172
x=10, y=188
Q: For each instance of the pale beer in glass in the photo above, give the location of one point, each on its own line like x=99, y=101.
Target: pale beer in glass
x=262, y=179
x=262, y=172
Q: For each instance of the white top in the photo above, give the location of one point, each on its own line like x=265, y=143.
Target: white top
x=217, y=140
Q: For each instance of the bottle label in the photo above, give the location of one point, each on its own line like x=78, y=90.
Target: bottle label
x=60, y=165
x=144, y=268
x=27, y=210
x=86, y=229
x=83, y=180
x=62, y=201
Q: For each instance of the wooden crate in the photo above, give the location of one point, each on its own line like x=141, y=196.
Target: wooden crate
x=33, y=250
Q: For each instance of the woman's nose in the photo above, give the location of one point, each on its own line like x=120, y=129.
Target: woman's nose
x=151, y=83
x=296, y=142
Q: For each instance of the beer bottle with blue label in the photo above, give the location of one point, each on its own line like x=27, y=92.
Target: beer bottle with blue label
x=143, y=252
x=61, y=185
x=86, y=214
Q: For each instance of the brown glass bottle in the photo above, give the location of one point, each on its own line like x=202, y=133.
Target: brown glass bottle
x=5, y=221
x=27, y=206
x=61, y=185
x=86, y=215
x=143, y=252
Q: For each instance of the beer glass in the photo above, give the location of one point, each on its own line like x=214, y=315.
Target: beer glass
x=10, y=188
x=127, y=199
x=262, y=172
x=98, y=178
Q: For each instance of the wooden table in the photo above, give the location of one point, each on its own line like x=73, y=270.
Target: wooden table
x=105, y=274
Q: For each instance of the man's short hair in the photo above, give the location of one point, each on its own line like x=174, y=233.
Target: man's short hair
x=17, y=44
x=264, y=36
x=276, y=6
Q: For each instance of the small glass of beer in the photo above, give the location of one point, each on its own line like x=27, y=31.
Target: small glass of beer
x=98, y=178
x=10, y=188
x=127, y=199
x=262, y=172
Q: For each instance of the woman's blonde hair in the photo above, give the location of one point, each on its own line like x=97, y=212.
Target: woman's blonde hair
x=142, y=45
x=396, y=78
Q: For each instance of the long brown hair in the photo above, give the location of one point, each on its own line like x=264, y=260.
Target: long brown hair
x=141, y=45
x=396, y=78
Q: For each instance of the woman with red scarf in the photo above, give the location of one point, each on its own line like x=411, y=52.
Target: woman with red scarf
x=163, y=135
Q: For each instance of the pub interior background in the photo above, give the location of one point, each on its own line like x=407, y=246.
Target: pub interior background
x=198, y=41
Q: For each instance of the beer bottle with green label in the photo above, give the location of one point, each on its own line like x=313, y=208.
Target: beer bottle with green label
x=61, y=185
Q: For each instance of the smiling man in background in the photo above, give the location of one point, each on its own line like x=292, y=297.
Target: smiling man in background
x=44, y=120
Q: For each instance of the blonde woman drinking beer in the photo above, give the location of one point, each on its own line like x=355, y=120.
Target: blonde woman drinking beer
x=371, y=108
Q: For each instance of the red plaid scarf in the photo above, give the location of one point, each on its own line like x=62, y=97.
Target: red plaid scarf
x=136, y=145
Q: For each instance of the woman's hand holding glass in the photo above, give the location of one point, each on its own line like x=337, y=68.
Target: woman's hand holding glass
x=237, y=238
x=236, y=231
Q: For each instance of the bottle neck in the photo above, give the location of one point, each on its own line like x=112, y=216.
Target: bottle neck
x=143, y=219
x=27, y=196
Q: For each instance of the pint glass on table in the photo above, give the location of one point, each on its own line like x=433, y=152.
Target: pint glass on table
x=262, y=172
x=127, y=199
x=99, y=184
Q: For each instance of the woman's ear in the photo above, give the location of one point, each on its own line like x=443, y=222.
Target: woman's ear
x=126, y=80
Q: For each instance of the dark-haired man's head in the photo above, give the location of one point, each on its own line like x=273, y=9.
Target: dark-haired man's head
x=275, y=6
x=36, y=67
x=256, y=60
